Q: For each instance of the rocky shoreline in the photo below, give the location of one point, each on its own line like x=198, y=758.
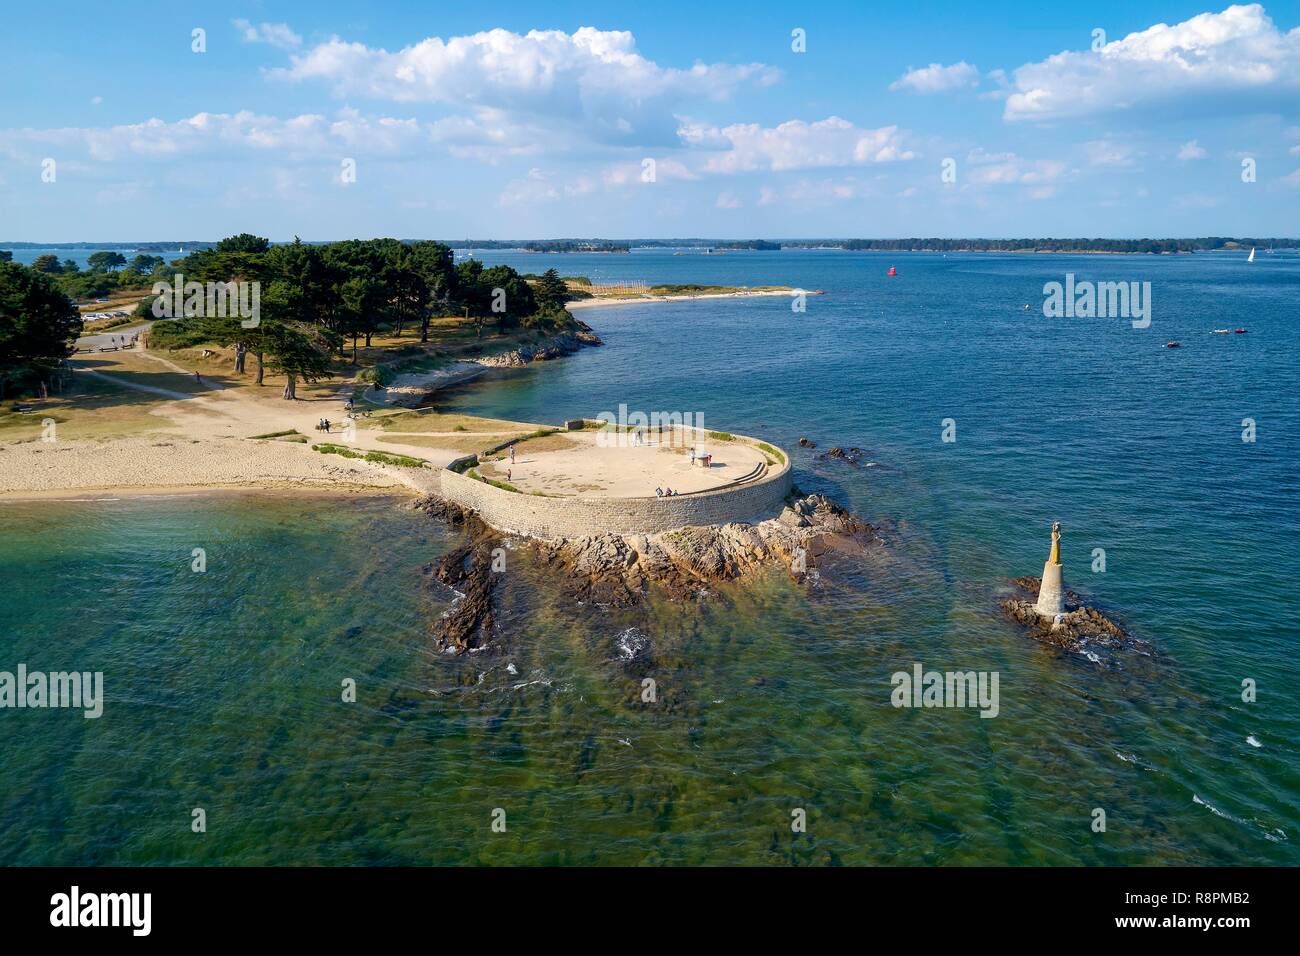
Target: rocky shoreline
x=412, y=389
x=619, y=570
x=556, y=346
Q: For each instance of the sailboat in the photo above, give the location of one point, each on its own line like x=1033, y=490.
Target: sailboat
x=1251, y=257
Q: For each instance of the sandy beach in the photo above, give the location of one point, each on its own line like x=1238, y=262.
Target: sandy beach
x=640, y=300
x=206, y=437
x=40, y=469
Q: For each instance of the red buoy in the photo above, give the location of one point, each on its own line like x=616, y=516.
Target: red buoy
x=893, y=271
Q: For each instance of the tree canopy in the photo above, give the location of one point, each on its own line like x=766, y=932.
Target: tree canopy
x=38, y=323
x=315, y=299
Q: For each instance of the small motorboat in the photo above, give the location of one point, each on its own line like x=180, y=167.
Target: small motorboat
x=1239, y=331
x=892, y=271
x=1172, y=345
x=1223, y=331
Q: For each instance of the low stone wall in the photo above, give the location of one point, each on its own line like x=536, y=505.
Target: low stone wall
x=573, y=517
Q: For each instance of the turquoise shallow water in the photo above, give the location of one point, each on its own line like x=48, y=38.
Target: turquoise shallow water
x=223, y=687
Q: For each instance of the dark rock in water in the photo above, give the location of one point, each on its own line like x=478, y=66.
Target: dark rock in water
x=447, y=511
x=806, y=443
x=1080, y=629
x=469, y=623
x=852, y=454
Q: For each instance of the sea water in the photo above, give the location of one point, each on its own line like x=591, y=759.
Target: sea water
x=224, y=689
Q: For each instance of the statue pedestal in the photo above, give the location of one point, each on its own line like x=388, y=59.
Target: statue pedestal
x=1051, y=596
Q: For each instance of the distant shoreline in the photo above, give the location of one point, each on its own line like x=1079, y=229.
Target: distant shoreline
x=1114, y=246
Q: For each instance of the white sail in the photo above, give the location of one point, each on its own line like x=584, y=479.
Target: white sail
x=1251, y=257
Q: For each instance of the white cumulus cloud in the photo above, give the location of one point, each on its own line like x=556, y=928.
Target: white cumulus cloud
x=795, y=144
x=937, y=78
x=1229, y=60
x=276, y=34
x=594, y=78
x=235, y=135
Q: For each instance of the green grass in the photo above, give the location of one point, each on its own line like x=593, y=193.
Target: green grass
x=288, y=431
x=764, y=446
x=402, y=461
x=503, y=485
x=721, y=436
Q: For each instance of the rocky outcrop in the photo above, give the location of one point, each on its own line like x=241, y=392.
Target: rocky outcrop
x=565, y=343
x=1080, y=629
x=470, y=622
x=852, y=455
x=412, y=389
x=618, y=569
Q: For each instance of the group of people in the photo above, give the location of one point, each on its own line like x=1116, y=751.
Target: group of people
x=323, y=425
x=705, y=460
x=119, y=342
x=665, y=493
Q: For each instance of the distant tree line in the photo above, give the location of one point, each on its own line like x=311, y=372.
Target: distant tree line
x=106, y=272
x=1206, y=244
x=755, y=245
x=542, y=245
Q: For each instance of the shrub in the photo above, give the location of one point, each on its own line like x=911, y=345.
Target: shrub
x=378, y=375
x=289, y=431
x=379, y=457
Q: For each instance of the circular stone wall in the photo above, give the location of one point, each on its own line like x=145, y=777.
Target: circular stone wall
x=574, y=516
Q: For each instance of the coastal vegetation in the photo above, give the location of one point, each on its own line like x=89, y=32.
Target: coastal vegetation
x=321, y=303
x=379, y=457
x=106, y=274
x=38, y=325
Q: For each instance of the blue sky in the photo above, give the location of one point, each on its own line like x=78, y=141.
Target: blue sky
x=509, y=120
